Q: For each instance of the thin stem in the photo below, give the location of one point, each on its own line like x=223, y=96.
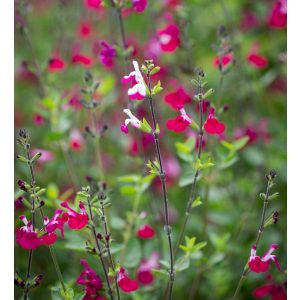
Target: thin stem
x=107, y=243
x=162, y=176
x=55, y=262
x=99, y=247
x=259, y=234
x=192, y=193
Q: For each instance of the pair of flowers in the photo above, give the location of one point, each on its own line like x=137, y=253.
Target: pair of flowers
x=94, y=285
x=28, y=238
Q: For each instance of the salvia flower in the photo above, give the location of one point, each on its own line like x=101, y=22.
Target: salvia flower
x=92, y=282
x=144, y=273
x=56, y=222
x=225, y=61
x=180, y=123
x=26, y=237
x=138, y=89
x=76, y=220
x=84, y=29
x=56, y=64
x=107, y=54
x=278, y=16
x=82, y=59
x=169, y=38
x=270, y=288
x=257, y=60
x=261, y=264
x=125, y=283
x=212, y=125
x=134, y=121
x=178, y=98
x=76, y=140
x=139, y=5
x=92, y=4
x=145, y=232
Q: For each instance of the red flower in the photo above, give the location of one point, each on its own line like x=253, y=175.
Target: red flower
x=48, y=239
x=139, y=5
x=145, y=275
x=169, y=38
x=92, y=4
x=56, y=64
x=56, y=222
x=180, y=123
x=261, y=264
x=26, y=237
x=212, y=125
x=126, y=284
x=84, y=29
x=82, y=60
x=256, y=59
x=226, y=60
x=278, y=16
x=76, y=220
x=38, y=119
x=276, y=291
x=145, y=232
x=92, y=282
x=178, y=98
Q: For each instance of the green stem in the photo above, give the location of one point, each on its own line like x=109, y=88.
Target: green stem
x=57, y=268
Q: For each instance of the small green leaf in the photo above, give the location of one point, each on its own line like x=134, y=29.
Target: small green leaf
x=182, y=263
x=145, y=127
x=196, y=202
x=208, y=93
x=155, y=70
x=22, y=158
x=157, y=88
x=273, y=196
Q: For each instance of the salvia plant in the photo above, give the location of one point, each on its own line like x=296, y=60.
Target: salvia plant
x=140, y=174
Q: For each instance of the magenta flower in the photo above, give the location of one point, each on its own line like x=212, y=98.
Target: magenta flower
x=138, y=89
x=169, y=38
x=81, y=59
x=92, y=4
x=145, y=232
x=275, y=290
x=145, y=275
x=56, y=222
x=139, y=5
x=76, y=220
x=92, y=282
x=212, y=125
x=180, y=123
x=125, y=283
x=84, y=29
x=178, y=98
x=107, y=54
x=38, y=119
x=278, y=16
x=261, y=264
x=56, y=64
x=225, y=61
x=26, y=237
x=257, y=60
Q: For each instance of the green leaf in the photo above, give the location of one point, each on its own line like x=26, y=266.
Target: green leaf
x=196, y=202
x=205, y=165
x=157, y=88
x=132, y=178
x=155, y=70
x=240, y=143
x=165, y=263
x=128, y=190
x=160, y=272
x=182, y=263
x=208, y=93
x=153, y=167
x=145, y=127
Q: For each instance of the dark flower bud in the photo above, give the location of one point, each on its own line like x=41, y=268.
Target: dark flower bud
x=225, y=107
x=99, y=236
x=39, y=277
x=88, y=77
x=88, y=178
x=23, y=133
x=22, y=284
x=17, y=283
x=21, y=185
x=201, y=73
x=275, y=217
x=107, y=237
x=222, y=31
x=273, y=174
x=104, y=187
x=42, y=203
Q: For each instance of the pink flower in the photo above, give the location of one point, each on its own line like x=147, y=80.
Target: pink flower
x=76, y=140
x=107, y=54
x=256, y=59
x=84, y=29
x=249, y=20
x=134, y=121
x=81, y=60
x=180, y=123
x=278, y=16
x=56, y=222
x=76, y=220
x=178, y=98
x=48, y=239
x=26, y=237
x=139, y=5
x=169, y=38
x=261, y=264
x=138, y=89
x=92, y=282
x=145, y=232
x=226, y=60
x=56, y=64
x=38, y=119
x=212, y=125
x=125, y=283
x=75, y=103
x=276, y=291
x=145, y=275
x=92, y=4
